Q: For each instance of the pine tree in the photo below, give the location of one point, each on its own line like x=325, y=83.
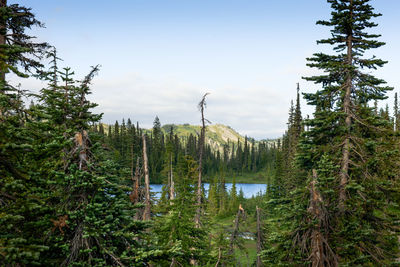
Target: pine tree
x=156, y=151
x=213, y=198
x=176, y=230
x=350, y=224
x=233, y=198
x=297, y=120
x=93, y=218
x=22, y=218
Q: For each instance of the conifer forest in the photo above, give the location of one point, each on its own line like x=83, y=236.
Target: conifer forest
x=76, y=190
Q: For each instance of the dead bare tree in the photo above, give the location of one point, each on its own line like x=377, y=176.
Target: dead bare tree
x=171, y=180
x=202, y=105
x=81, y=145
x=134, y=196
x=235, y=233
x=3, y=3
x=137, y=191
x=147, y=207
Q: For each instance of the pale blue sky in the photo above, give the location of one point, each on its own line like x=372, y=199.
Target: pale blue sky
x=160, y=57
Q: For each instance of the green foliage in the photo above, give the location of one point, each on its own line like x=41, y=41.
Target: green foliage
x=176, y=229
x=22, y=209
x=344, y=146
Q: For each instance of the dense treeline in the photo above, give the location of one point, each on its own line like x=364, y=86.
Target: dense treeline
x=75, y=194
x=234, y=158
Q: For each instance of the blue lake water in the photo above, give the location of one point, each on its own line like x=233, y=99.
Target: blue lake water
x=249, y=190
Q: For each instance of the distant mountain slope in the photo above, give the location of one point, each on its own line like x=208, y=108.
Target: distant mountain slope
x=216, y=135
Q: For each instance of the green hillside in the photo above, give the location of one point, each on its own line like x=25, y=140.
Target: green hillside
x=216, y=135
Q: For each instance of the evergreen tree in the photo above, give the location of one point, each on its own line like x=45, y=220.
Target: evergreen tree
x=93, y=219
x=156, y=151
x=213, y=198
x=177, y=232
x=348, y=219
x=233, y=198
x=22, y=213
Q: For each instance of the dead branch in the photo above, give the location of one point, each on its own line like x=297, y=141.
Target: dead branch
x=321, y=253
x=235, y=234
x=60, y=223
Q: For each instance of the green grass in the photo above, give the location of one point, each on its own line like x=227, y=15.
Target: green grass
x=248, y=254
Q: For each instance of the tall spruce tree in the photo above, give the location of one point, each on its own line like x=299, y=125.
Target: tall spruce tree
x=349, y=219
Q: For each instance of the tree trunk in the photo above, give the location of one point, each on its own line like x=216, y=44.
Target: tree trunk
x=344, y=172
x=317, y=250
x=321, y=253
x=259, y=237
x=172, y=184
x=202, y=105
x=235, y=232
x=135, y=177
x=3, y=3
x=219, y=257
x=81, y=142
x=173, y=262
x=146, y=214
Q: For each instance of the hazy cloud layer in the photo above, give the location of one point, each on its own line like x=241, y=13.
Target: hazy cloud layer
x=259, y=112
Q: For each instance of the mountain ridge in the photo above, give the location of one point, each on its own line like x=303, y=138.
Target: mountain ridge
x=217, y=135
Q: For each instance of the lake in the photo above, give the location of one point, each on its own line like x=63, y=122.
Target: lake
x=249, y=190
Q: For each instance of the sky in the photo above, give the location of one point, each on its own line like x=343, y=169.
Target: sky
x=159, y=57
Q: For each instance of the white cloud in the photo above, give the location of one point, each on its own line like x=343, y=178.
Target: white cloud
x=258, y=111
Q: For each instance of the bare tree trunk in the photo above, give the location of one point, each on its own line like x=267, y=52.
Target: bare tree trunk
x=202, y=105
x=344, y=172
x=235, y=232
x=321, y=253
x=317, y=250
x=173, y=262
x=3, y=3
x=259, y=237
x=172, y=184
x=219, y=257
x=81, y=142
x=135, y=177
x=146, y=214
